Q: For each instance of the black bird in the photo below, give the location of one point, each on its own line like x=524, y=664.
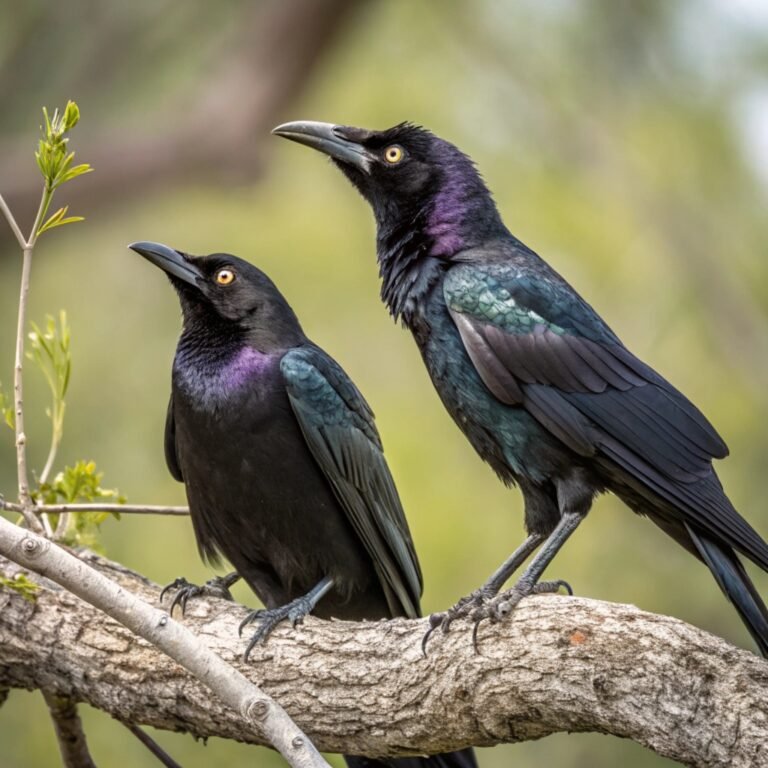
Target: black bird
x=281, y=460
x=540, y=385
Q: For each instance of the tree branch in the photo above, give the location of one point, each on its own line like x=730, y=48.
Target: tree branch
x=276, y=51
x=152, y=746
x=128, y=509
x=69, y=731
x=256, y=711
x=559, y=664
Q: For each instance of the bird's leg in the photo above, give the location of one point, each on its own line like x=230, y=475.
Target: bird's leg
x=528, y=583
x=467, y=605
x=295, y=611
x=218, y=586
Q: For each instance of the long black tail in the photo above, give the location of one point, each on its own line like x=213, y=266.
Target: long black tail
x=737, y=586
x=463, y=758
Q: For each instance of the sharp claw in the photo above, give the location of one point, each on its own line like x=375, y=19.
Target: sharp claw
x=425, y=640
x=175, y=584
x=474, y=635
x=245, y=622
x=177, y=598
x=251, y=645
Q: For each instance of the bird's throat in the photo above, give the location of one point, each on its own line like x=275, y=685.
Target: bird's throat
x=208, y=378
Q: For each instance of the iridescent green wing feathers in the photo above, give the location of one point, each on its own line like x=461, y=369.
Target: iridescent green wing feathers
x=339, y=429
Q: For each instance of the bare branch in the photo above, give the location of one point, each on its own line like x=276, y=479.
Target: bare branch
x=12, y=223
x=18, y=396
x=69, y=731
x=261, y=72
x=259, y=715
x=152, y=746
x=128, y=509
x=558, y=664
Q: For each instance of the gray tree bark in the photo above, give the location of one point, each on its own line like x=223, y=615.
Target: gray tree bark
x=558, y=664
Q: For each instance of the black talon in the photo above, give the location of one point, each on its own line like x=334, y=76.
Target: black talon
x=550, y=587
x=475, y=628
x=218, y=586
x=249, y=619
x=175, y=584
x=295, y=612
x=435, y=620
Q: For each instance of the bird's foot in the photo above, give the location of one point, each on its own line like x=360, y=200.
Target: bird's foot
x=218, y=586
x=464, y=607
x=500, y=607
x=295, y=612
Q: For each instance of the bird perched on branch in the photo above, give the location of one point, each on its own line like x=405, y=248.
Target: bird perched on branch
x=282, y=463
x=542, y=388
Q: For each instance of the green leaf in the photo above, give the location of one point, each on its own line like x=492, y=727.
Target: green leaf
x=57, y=219
x=53, y=157
x=20, y=584
x=71, y=116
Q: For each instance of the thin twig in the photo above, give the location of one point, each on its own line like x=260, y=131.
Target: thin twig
x=259, y=712
x=18, y=390
x=69, y=731
x=12, y=222
x=152, y=746
x=134, y=509
x=18, y=397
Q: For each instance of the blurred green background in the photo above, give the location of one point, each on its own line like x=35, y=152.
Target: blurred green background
x=626, y=141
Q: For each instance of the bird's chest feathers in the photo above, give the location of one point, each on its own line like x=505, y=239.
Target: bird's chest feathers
x=207, y=383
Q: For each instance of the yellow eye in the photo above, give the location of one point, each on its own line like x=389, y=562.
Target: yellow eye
x=393, y=154
x=225, y=276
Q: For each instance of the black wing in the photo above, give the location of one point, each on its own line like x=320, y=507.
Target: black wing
x=171, y=457
x=537, y=344
x=339, y=429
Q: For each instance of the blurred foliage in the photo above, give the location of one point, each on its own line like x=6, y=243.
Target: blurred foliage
x=6, y=408
x=20, y=584
x=50, y=351
x=622, y=141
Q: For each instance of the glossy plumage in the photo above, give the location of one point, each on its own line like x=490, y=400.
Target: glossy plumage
x=540, y=385
x=281, y=459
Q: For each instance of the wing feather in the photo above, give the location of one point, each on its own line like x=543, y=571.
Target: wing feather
x=339, y=429
x=581, y=384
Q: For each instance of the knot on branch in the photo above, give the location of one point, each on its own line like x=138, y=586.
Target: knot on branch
x=256, y=709
x=31, y=547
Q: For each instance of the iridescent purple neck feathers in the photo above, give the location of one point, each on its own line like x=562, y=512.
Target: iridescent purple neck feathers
x=460, y=200
x=208, y=379
x=458, y=214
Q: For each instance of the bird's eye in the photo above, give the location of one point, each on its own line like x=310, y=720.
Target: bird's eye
x=394, y=154
x=225, y=276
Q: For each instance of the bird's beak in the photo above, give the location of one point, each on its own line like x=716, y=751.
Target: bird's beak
x=329, y=139
x=169, y=260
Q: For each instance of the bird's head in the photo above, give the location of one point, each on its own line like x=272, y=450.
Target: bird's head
x=222, y=294
x=411, y=178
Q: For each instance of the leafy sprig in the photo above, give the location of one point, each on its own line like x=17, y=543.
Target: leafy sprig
x=55, y=163
x=79, y=483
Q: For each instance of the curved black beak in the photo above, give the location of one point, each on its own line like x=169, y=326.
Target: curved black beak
x=169, y=260
x=328, y=139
